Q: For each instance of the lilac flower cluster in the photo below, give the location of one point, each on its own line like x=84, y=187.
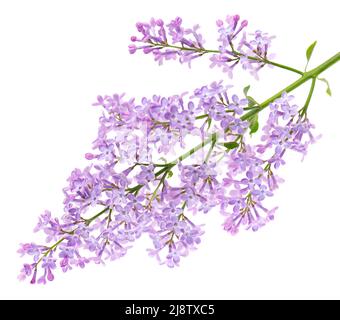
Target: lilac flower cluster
x=172, y=41
x=286, y=128
x=155, y=38
x=129, y=188
x=139, y=197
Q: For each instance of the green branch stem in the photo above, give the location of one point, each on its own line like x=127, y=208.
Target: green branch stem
x=212, y=145
x=88, y=221
x=312, y=74
x=54, y=246
x=279, y=65
x=236, y=53
x=304, y=78
x=309, y=97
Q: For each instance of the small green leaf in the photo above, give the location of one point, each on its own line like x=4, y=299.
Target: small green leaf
x=328, y=90
x=254, y=124
x=170, y=174
x=209, y=123
x=251, y=101
x=310, y=50
x=246, y=89
x=163, y=159
x=231, y=145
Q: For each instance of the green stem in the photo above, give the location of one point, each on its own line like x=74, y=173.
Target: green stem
x=282, y=66
x=109, y=218
x=309, y=97
x=161, y=182
x=88, y=221
x=166, y=168
x=212, y=145
x=198, y=50
x=202, y=116
x=237, y=54
x=306, y=76
x=49, y=250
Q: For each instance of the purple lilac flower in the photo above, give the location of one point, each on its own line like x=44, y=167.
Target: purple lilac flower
x=155, y=36
x=234, y=50
x=25, y=272
x=48, y=265
x=173, y=41
x=237, y=104
x=174, y=236
x=146, y=175
x=285, y=130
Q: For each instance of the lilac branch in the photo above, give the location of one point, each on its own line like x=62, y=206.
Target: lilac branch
x=134, y=191
x=237, y=55
x=236, y=45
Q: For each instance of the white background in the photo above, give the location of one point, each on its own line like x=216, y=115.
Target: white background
x=56, y=56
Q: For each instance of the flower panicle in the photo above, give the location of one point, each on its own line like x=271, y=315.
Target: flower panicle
x=134, y=184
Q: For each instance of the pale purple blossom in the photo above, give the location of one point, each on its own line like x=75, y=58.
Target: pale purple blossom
x=174, y=41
